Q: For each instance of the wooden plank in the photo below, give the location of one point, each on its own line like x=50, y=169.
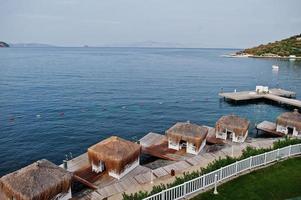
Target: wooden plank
x=282, y=93
x=90, y=196
x=144, y=178
x=193, y=161
x=178, y=166
x=131, y=181
x=160, y=172
x=85, y=182
x=268, y=127
x=78, y=163
x=283, y=100
x=151, y=139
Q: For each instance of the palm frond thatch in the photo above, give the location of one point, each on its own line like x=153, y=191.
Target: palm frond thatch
x=41, y=180
x=234, y=123
x=189, y=132
x=291, y=119
x=115, y=152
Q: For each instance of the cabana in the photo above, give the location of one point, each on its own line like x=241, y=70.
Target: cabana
x=187, y=135
x=232, y=127
x=289, y=123
x=262, y=89
x=114, y=155
x=41, y=180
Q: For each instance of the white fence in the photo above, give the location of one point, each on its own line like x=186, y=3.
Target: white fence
x=208, y=180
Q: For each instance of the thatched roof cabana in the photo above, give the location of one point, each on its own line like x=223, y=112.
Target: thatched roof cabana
x=292, y=119
x=189, y=132
x=41, y=180
x=234, y=123
x=115, y=152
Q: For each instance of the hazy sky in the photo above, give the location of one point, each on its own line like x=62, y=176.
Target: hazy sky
x=189, y=23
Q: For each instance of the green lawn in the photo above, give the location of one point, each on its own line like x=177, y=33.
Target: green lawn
x=280, y=181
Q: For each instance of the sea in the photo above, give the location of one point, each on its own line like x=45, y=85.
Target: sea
x=56, y=101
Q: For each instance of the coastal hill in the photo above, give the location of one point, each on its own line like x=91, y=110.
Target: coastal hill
x=284, y=48
x=3, y=44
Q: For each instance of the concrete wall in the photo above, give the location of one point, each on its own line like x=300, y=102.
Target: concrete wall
x=173, y=145
x=223, y=135
x=128, y=168
x=284, y=130
x=98, y=168
x=193, y=150
x=190, y=147
x=239, y=138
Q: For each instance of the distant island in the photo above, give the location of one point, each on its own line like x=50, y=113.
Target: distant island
x=3, y=44
x=31, y=45
x=286, y=48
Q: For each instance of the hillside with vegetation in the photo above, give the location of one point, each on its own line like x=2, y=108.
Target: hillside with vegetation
x=3, y=44
x=283, y=48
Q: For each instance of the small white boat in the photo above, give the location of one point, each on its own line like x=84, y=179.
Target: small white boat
x=275, y=67
x=292, y=57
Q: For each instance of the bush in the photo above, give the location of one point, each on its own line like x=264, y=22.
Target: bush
x=286, y=142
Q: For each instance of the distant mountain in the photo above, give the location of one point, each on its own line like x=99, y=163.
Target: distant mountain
x=284, y=48
x=141, y=44
x=31, y=45
x=3, y=44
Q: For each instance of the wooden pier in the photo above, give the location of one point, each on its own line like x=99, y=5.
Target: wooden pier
x=277, y=95
x=269, y=128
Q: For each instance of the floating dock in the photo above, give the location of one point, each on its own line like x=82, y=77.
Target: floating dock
x=269, y=128
x=277, y=95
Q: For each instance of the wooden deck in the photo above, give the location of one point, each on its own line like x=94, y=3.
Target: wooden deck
x=269, y=128
x=211, y=139
x=134, y=179
x=78, y=163
x=157, y=145
x=277, y=95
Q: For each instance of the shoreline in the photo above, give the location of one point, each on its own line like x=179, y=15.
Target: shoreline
x=254, y=56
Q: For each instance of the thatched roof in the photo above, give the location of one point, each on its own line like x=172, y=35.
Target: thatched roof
x=234, y=123
x=115, y=152
x=41, y=180
x=189, y=132
x=292, y=119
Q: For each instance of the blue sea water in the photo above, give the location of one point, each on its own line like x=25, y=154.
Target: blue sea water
x=59, y=100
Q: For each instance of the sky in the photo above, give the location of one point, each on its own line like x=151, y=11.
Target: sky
x=182, y=23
